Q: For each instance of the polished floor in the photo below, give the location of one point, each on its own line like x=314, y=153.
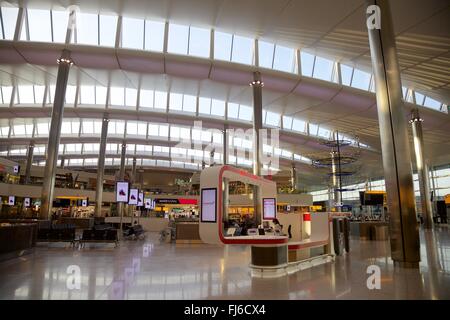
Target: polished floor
x=153, y=270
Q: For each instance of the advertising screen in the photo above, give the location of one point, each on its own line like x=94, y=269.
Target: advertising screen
x=148, y=203
x=16, y=169
x=208, y=205
x=141, y=199
x=11, y=200
x=122, y=191
x=133, y=197
x=269, y=208
x=84, y=203
x=27, y=202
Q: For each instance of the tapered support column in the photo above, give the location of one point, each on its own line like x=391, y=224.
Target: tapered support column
x=29, y=162
x=101, y=169
x=121, y=178
x=54, y=135
x=335, y=175
x=132, y=183
x=63, y=163
x=293, y=178
x=404, y=230
x=422, y=170
x=257, y=85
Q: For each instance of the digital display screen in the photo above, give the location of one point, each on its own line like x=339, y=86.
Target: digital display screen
x=269, y=208
x=148, y=203
x=84, y=203
x=11, y=200
x=141, y=199
x=16, y=169
x=122, y=191
x=208, y=205
x=27, y=202
x=133, y=196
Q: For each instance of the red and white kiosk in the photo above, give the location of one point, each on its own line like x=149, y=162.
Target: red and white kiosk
x=272, y=253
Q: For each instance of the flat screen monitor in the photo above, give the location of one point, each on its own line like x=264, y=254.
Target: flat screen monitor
x=16, y=169
x=141, y=199
x=84, y=203
x=11, y=200
x=373, y=199
x=27, y=202
x=269, y=208
x=148, y=203
x=122, y=191
x=134, y=193
x=208, y=206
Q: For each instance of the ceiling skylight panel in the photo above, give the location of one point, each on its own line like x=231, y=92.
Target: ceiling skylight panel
x=130, y=97
x=39, y=92
x=146, y=98
x=324, y=133
x=107, y=30
x=313, y=128
x=60, y=19
x=87, y=28
x=132, y=33
x=160, y=100
x=132, y=128
x=245, y=113
x=174, y=133
x=299, y=125
x=153, y=130
x=323, y=68
x=176, y=101
x=419, y=98
x=6, y=94
x=26, y=94
x=346, y=74
x=265, y=54
x=9, y=19
x=272, y=119
x=199, y=42
x=233, y=110
x=100, y=95
x=154, y=35
x=242, y=51
x=307, y=63
x=87, y=126
x=117, y=96
x=189, y=103
x=42, y=128
x=287, y=122
x=284, y=59
x=178, y=39
x=217, y=107
x=431, y=103
x=87, y=95
x=361, y=80
x=204, y=105
x=222, y=45
x=39, y=25
x=163, y=131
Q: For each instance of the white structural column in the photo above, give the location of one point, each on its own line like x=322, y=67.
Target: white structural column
x=294, y=180
x=101, y=168
x=257, y=85
x=29, y=162
x=54, y=135
x=422, y=169
x=121, y=178
x=404, y=230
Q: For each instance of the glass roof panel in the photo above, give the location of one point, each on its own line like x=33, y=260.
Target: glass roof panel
x=242, y=51
x=87, y=95
x=39, y=24
x=287, y=122
x=323, y=69
x=298, y=125
x=217, y=108
x=431, y=103
x=100, y=95
x=160, y=100
x=70, y=94
x=87, y=28
x=361, y=79
x=130, y=97
x=284, y=59
x=176, y=101
x=307, y=62
x=146, y=98
x=346, y=74
x=178, y=39
x=26, y=94
x=204, y=105
x=265, y=54
x=60, y=20
x=154, y=35
x=222, y=45
x=189, y=103
x=132, y=33
x=272, y=119
x=108, y=27
x=117, y=96
x=199, y=41
x=39, y=92
x=245, y=113
x=9, y=19
x=233, y=110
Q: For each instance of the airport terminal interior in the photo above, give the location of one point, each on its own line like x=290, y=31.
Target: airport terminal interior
x=224, y=150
